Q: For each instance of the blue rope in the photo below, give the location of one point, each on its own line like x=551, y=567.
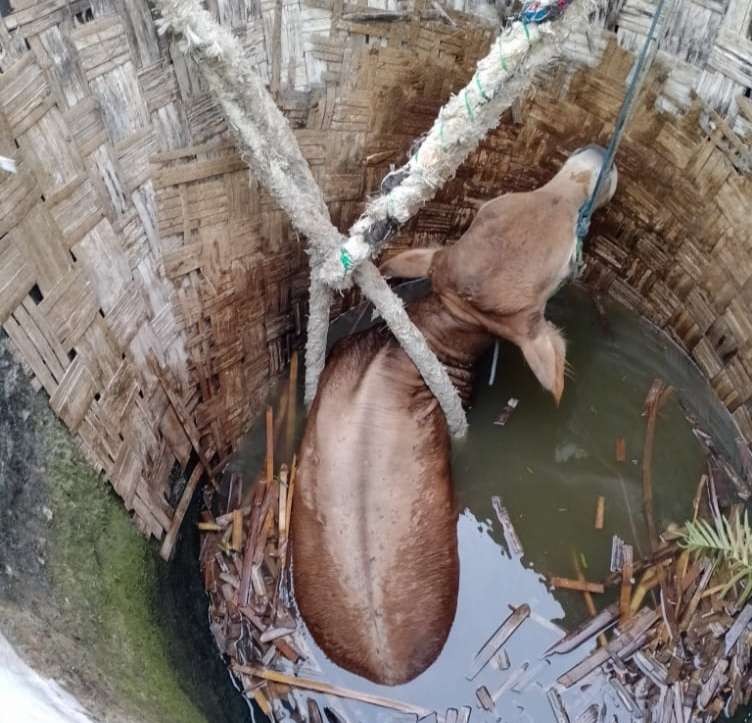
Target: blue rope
x=536, y=12
x=586, y=210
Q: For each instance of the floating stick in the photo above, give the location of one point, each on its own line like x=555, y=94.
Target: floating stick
x=317, y=686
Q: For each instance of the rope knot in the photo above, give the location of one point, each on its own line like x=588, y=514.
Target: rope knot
x=337, y=269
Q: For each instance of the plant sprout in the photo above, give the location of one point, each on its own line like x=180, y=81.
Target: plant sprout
x=727, y=541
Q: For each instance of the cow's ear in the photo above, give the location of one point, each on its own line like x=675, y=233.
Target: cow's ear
x=410, y=264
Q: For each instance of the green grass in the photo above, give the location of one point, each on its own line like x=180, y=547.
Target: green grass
x=104, y=574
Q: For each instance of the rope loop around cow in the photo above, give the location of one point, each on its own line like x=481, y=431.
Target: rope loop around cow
x=460, y=125
x=267, y=143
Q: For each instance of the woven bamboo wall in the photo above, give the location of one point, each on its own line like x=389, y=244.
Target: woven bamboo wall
x=153, y=290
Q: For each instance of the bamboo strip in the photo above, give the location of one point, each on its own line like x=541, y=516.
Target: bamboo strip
x=329, y=689
x=565, y=583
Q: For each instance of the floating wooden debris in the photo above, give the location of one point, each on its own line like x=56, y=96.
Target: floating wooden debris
x=657, y=396
x=453, y=715
x=621, y=450
x=237, y=530
x=319, y=686
x=209, y=527
x=624, y=695
x=740, y=625
x=314, y=714
x=591, y=714
x=586, y=631
x=502, y=634
x=651, y=667
x=485, y=699
x=600, y=512
x=579, y=563
x=566, y=583
x=557, y=706
x=501, y=661
x=637, y=627
x=507, y=412
x=617, y=554
x=168, y=544
x=625, y=592
x=510, y=535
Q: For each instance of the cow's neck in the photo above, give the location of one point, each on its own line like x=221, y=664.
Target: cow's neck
x=456, y=340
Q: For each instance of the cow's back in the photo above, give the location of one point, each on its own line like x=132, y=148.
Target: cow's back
x=375, y=563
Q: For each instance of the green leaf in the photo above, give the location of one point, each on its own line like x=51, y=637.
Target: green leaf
x=727, y=540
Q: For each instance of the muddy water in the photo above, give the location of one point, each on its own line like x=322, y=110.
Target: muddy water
x=549, y=465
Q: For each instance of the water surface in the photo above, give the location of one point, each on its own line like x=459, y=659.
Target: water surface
x=549, y=465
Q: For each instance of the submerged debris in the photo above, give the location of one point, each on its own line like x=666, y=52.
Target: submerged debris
x=600, y=512
x=497, y=640
x=510, y=535
x=506, y=413
x=621, y=450
x=586, y=631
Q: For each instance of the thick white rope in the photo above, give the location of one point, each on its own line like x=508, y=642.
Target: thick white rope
x=502, y=76
x=269, y=146
x=271, y=150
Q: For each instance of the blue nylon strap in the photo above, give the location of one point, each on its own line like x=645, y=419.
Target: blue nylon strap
x=536, y=12
x=638, y=77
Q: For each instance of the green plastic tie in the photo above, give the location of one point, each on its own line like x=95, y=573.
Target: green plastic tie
x=501, y=57
x=527, y=32
x=345, y=258
x=469, y=110
x=480, y=87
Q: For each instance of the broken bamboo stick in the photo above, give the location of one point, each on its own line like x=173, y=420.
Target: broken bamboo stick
x=237, y=530
x=589, y=603
x=514, y=546
x=292, y=402
x=329, y=689
x=209, y=527
x=566, y=583
x=502, y=634
x=584, y=632
x=184, y=418
x=657, y=395
x=600, y=512
x=625, y=592
x=269, y=444
x=171, y=536
x=290, y=492
x=621, y=450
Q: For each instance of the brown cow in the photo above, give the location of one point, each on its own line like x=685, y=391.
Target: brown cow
x=375, y=563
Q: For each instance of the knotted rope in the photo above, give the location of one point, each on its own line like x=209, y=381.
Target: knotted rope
x=501, y=77
x=269, y=147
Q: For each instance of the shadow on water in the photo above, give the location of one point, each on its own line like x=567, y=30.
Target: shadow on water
x=549, y=465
